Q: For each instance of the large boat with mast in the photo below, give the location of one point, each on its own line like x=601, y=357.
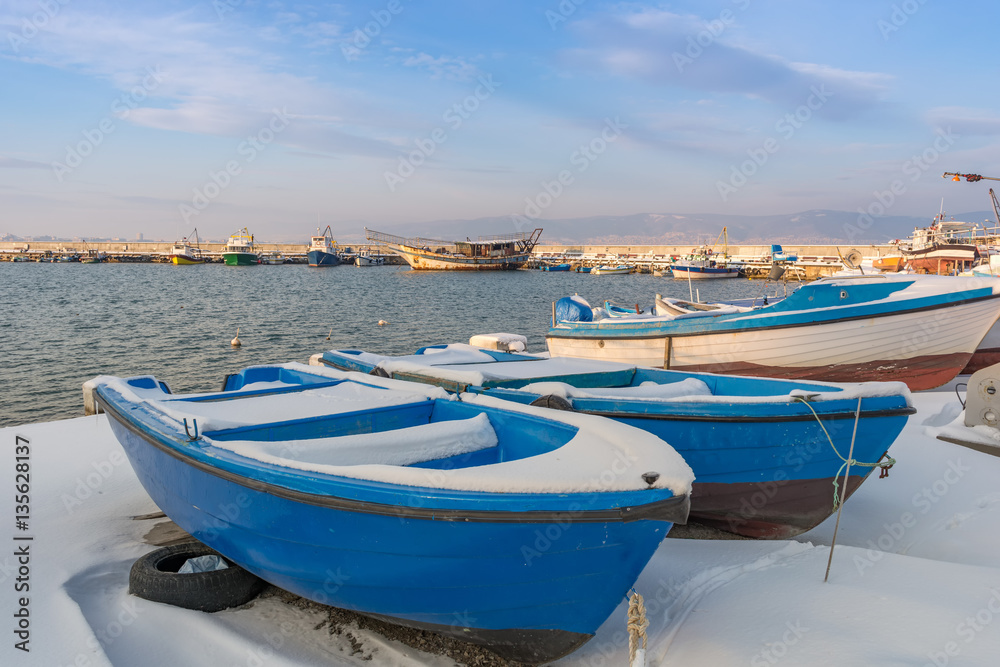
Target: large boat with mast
x=183, y=252
x=487, y=253
x=705, y=262
x=323, y=249
x=240, y=250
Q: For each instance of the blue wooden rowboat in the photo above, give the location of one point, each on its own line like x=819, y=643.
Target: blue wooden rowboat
x=517, y=528
x=765, y=452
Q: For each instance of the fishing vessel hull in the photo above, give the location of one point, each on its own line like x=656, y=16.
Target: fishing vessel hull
x=702, y=272
x=240, y=259
x=184, y=260
x=322, y=258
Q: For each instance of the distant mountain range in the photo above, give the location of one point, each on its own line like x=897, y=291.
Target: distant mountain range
x=817, y=227
x=807, y=227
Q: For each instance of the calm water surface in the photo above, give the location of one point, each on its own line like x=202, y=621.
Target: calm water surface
x=62, y=324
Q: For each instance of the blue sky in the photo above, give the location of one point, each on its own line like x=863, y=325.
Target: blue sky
x=156, y=118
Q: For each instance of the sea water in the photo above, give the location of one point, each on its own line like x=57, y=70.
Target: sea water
x=63, y=324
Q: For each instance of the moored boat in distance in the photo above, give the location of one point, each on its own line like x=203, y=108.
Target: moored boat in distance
x=323, y=249
x=947, y=247
x=741, y=436
x=488, y=253
x=847, y=329
x=183, y=252
x=368, y=258
x=427, y=508
x=612, y=270
x=704, y=263
x=241, y=250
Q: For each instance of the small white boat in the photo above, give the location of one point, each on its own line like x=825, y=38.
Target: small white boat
x=368, y=258
x=608, y=270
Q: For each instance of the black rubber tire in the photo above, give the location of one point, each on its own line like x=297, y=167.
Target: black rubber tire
x=378, y=371
x=154, y=577
x=553, y=402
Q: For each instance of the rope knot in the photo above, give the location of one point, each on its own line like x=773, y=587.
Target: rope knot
x=637, y=624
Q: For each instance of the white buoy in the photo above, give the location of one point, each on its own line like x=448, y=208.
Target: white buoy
x=382, y=323
x=236, y=341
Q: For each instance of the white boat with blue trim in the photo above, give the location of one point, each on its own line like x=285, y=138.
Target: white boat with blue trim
x=921, y=330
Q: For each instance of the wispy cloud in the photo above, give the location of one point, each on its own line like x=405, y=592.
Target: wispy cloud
x=17, y=163
x=443, y=67
x=216, y=77
x=663, y=48
x=965, y=121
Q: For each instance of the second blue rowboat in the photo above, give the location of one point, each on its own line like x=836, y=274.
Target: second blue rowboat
x=510, y=526
x=765, y=452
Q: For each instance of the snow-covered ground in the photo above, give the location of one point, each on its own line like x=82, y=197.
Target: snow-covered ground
x=915, y=578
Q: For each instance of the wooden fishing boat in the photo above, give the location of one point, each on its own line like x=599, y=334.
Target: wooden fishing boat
x=765, y=452
x=510, y=526
x=487, y=253
x=920, y=330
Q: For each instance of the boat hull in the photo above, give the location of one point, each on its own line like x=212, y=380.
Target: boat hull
x=425, y=260
x=763, y=468
x=532, y=590
x=700, y=273
x=772, y=478
x=240, y=259
x=923, y=348
x=184, y=259
x=942, y=259
x=322, y=258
